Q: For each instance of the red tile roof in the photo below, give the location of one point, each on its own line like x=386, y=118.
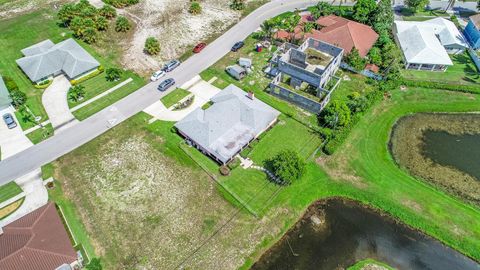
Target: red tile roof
x=372, y=67
x=36, y=241
x=340, y=32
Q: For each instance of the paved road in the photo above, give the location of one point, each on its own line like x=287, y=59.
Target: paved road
x=71, y=138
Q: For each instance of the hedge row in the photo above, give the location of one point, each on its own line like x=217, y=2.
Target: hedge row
x=445, y=86
x=43, y=85
x=89, y=76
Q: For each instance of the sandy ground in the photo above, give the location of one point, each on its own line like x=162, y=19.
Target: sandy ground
x=175, y=28
x=11, y=8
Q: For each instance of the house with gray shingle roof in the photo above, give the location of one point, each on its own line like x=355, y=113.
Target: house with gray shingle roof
x=46, y=59
x=226, y=127
x=5, y=99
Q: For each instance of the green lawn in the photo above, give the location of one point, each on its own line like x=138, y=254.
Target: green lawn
x=25, y=30
x=109, y=99
x=363, y=263
x=364, y=170
x=463, y=71
x=41, y=134
x=71, y=216
x=9, y=190
x=21, y=32
x=174, y=97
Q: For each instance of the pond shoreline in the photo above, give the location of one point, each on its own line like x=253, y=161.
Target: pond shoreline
x=320, y=206
x=406, y=146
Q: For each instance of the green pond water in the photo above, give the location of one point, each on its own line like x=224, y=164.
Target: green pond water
x=459, y=151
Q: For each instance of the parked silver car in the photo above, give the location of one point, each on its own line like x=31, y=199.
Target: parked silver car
x=9, y=120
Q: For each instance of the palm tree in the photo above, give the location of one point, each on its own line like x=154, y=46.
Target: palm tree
x=122, y=24
x=152, y=46
x=268, y=28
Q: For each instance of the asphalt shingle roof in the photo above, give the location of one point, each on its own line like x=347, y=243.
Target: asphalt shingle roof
x=229, y=124
x=45, y=58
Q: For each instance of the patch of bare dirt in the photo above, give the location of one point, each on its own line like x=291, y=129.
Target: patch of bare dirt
x=176, y=29
x=13, y=8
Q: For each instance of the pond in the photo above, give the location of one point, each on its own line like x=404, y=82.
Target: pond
x=460, y=151
x=442, y=149
x=335, y=234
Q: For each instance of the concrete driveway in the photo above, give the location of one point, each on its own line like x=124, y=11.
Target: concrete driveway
x=12, y=141
x=203, y=92
x=55, y=102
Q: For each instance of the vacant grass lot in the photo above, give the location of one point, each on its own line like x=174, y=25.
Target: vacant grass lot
x=463, y=71
x=25, y=30
x=174, y=97
x=146, y=204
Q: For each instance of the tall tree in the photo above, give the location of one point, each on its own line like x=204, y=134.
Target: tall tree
x=415, y=5
x=383, y=16
x=336, y=114
x=363, y=10
x=321, y=9
x=287, y=165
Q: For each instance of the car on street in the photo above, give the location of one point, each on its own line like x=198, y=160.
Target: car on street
x=199, y=47
x=8, y=119
x=237, y=46
x=157, y=75
x=171, y=65
x=163, y=86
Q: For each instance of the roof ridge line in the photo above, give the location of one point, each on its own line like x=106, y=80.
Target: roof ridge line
x=47, y=252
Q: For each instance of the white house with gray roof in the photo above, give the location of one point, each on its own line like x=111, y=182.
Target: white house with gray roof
x=226, y=127
x=426, y=45
x=46, y=59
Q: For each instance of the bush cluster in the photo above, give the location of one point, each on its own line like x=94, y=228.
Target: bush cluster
x=86, y=77
x=121, y=3
x=43, y=85
x=334, y=137
x=85, y=20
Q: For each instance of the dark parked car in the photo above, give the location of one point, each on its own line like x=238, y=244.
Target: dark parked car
x=171, y=65
x=8, y=118
x=199, y=47
x=163, y=86
x=237, y=46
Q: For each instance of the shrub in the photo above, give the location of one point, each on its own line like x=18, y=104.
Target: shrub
x=122, y=24
x=234, y=163
x=195, y=8
x=43, y=84
x=10, y=83
x=101, y=23
x=113, y=74
x=108, y=11
x=354, y=60
x=121, y=3
x=18, y=98
x=237, y=4
x=76, y=93
x=287, y=165
x=152, y=46
x=336, y=114
x=86, y=77
x=224, y=170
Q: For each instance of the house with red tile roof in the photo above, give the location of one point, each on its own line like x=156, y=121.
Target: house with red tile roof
x=37, y=241
x=338, y=31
